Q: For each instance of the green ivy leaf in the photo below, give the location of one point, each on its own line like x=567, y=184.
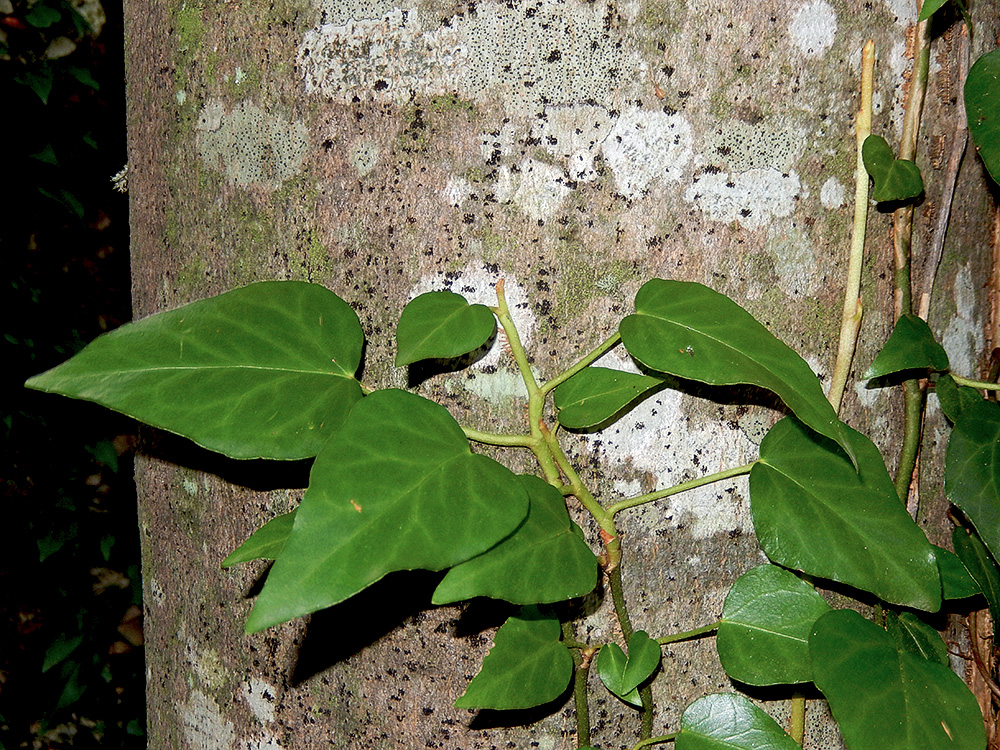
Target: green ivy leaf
x=982, y=107
x=812, y=511
x=911, y=346
x=595, y=394
x=60, y=650
x=909, y=633
x=623, y=675
x=264, y=371
x=972, y=470
x=265, y=543
x=956, y=581
x=763, y=638
x=953, y=398
x=730, y=722
x=42, y=16
x=929, y=8
x=981, y=566
x=895, y=179
x=688, y=330
x=395, y=488
x=887, y=699
x=545, y=560
x=441, y=325
x=527, y=666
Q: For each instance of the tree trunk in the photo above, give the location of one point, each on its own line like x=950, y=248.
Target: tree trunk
x=575, y=150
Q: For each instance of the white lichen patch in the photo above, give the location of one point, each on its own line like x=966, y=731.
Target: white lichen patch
x=206, y=664
x=832, y=194
x=741, y=146
x=753, y=198
x=248, y=145
x=574, y=135
x=813, y=28
x=261, y=697
x=203, y=725
x=363, y=155
x=456, y=191
x=537, y=188
x=794, y=259
x=960, y=339
x=549, y=51
x=645, y=147
x=904, y=11
x=497, y=387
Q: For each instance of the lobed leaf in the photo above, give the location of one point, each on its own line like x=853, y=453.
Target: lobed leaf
x=895, y=179
x=396, y=488
x=911, y=346
x=812, y=511
x=763, y=638
x=265, y=543
x=982, y=107
x=441, y=325
x=688, y=330
x=266, y=371
x=887, y=699
x=730, y=722
x=595, y=394
x=527, y=666
x=545, y=560
x=972, y=470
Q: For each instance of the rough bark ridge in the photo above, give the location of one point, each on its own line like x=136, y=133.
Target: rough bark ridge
x=575, y=150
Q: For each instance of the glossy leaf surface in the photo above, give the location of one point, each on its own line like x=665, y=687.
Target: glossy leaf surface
x=911, y=346
x=544, y=560
x=956, y=581
x=887, y=699
x=396, y=488
x=954, y=399
x=730, y=722
x=812, y=511
x=595, y=394
x=981, y=566
x=972, y=470
x=895, y=179
x=688, y=330
x=929, y=8
x=982, y=107
x=766, y=621
x=622, y=674
x=265, y=543
x=909, y=633
x=527, y=666
x=262, y=371
x=441, y=325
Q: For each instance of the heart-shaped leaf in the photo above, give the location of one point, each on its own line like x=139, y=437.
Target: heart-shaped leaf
x=972, y=470
x=887, y=699
x=527, y=666
x=812, y=511
x=265, y=543
x=763, y=638
x=730, y=722
x=395, y=488
x=545, y=560
x=909, y=633
x=441, y=325
x=895, y=179
x=911, y=346
x=956, y=581
x=688, y=330
x=982, y=107
x=623, y=675
x=981, y=566
x=266, y=371
x=953, y=398
x=595, y=394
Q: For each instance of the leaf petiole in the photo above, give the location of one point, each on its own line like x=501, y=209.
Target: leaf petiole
x=649, y=497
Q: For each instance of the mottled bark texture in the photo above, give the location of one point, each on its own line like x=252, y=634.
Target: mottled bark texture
x=574, y=149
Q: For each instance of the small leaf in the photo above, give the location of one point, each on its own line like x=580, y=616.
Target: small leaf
x=887, y=699
x=929, y=8
x=41, y=16
x=265, y=543
x=395, y=488
x=688, y=330
x=911, y=346
x=763, y=638
x=544, y=560
x=982, y=106
x=953, y=398
x=595, y=394
x=263, y=371
x=812, y=511
x=623, y=675
x=895, y=179
x=972, y=470
x=527, y=666
x=60, y=650
x=730, y=722
x=910, y=633
x=981, y=566
x=956, y=581
x=441, y=325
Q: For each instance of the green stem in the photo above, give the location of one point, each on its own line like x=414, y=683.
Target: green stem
x=581, y=671
x=492, y=438
x=913, y=401
x=586, y=361
x=850, y=322
x=688, y=634
x=655, y=740
x=797, y=722
x=981, y=385
x=682, y=487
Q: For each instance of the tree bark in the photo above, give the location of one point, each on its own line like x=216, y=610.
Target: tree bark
x=575, y=150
